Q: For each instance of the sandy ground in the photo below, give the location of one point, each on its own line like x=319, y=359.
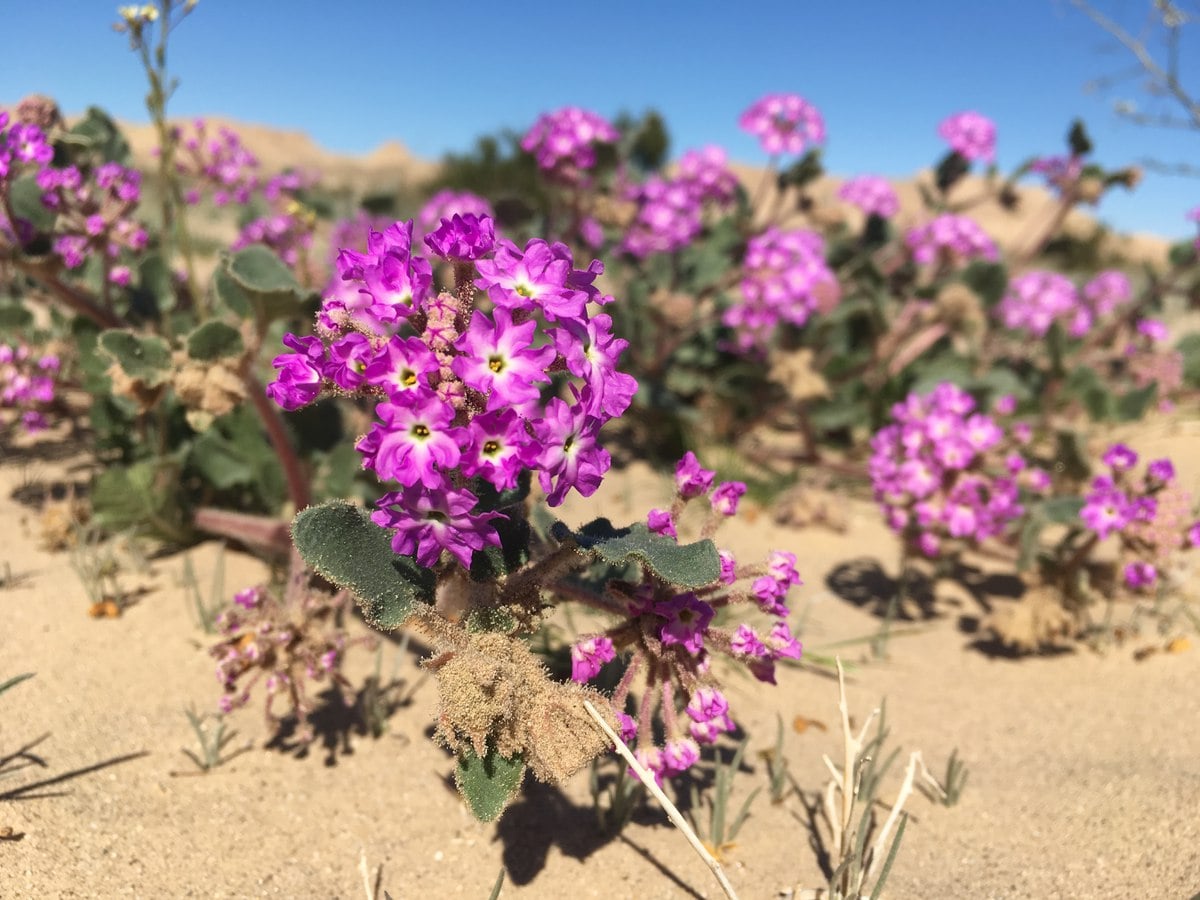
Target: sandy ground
x=1084, y=772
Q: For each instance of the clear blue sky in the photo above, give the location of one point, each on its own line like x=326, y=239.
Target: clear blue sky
x=436, y=75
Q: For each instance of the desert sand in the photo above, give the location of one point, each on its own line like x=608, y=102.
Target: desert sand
x=1084, y=776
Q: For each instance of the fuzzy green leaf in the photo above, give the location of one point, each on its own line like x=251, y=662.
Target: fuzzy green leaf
x=230, y=294
x=99, y=133
x=1189, y=347
x=265, y=281
x=987, y=279
x=215, y=340
x=144, y=357
x=260, y=271
x=14, y=315
x=1060, y=510
x=1132, y=406
x=155, y=284
x=488, y=784
x=685, y=565
x=342, y=544
x=25, y=197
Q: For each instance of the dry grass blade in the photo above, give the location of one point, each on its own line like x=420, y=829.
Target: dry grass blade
x=672, y=813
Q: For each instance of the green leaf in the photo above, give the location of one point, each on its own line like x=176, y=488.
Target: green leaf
x=987, y=279
x=14, y=315
x=1132, y=406
x=488, y=784
x=155, y=283
x=804, y=171
x=344, y=546
x=1078, y=139
x=1060, y=510
x=1182, y=254
x=685, y=565
x=144, y=357
x=495, y=562
x=99, y=133
x=1189, y=347
x=215, y=340
x=230, y=294
x=1069, y=456
x=260, y=271
x=25, y=197
x=14, y=681
x=144, y=496
x=267, y=283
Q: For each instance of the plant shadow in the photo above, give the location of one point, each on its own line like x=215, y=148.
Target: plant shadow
x=864, y=582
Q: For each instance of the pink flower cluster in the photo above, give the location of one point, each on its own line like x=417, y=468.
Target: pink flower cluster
x=944, y=473
x=670, y=211
x=220, y=164
x=672, y=635
x=785, y=279
x=971, y=135
x=564, y=141
x=22, y=144
x=95, y=215
x=446, y=204
x=463, y=379
x=1037, y=299
x=783, y=123
x=1151, y=515
x=27, y=382
x=289, y=645
x=875, y=196
x=1061, y=172
x=950, y=238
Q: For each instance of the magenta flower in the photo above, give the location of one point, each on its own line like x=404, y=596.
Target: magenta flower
x=588, y=656
x=570, y=457
x=463, y=237
x=497, y=448
x=348, y=360
x=747, y=644
x=402, y=365
x=430, y=521
x=679, y=755
x=875, y=196
x=660, y=522
x=300, y=373
x=726, y=497
x=1161, y=470
x=499, y=362
x=590, y=351
x=413, y=441
x=970, y=135
x=1105, y=509
x=687, y=618
x=690, y=479
x=783, y=123
x=1140, y=575
x=565, y=139
x=445, y=204
x=1120, y=458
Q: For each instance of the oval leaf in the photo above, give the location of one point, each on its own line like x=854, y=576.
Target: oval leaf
x=685, y=565
x=343, y=545
x=214, y=340
x=488, y=784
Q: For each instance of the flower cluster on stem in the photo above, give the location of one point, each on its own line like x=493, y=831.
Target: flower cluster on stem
x=946, y=475
x=1151, y=515
x=290, y=645
x=668, y=701
x=509, y=371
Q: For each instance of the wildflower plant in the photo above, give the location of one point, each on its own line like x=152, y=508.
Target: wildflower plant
x=481, y=388
x=292, y=644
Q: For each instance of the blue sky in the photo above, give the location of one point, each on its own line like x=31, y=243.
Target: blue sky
x=434, y=76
